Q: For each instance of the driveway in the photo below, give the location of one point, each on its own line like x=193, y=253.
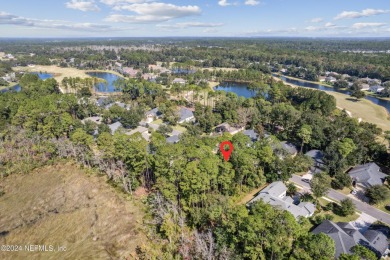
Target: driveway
x=337, y=196
x=363, y=222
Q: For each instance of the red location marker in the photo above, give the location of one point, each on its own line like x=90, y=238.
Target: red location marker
x=226, y=154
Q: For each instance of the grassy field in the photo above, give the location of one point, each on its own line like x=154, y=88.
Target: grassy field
x=60, y=73
x=61, y=205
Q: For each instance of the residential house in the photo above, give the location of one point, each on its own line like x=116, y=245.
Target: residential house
x=321, y=78
x=317, y=157
x=318, y=163
x=275, y=195
x=367, y=175
x=114, y=127
x=225, y=127
x=346, y=236
x=103, y=101
x=149, y=76
x=130, y=71
x=251, y=134
x=179, y=81
x=173, y=139
x=330, y=79
x=152, y=115
x=376, y=89
x=185, y=115
x=157, y=68
x=120, y=104
x=289, y=148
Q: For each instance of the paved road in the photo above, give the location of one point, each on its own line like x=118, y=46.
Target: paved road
x=337, y=196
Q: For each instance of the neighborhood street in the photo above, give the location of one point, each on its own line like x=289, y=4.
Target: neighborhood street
x=337, y=196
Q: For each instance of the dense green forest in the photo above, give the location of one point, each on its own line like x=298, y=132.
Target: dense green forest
x=358, y=57
x=193, y=213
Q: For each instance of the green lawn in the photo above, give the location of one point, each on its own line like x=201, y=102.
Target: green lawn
x=157, y=122
x=382, y=205
x=179, y=128
x=336, y=218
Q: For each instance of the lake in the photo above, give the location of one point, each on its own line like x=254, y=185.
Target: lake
x=241, y=89
x=17, y=87
x=109, y=77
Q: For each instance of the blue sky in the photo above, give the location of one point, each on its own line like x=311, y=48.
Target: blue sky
x=233, y=18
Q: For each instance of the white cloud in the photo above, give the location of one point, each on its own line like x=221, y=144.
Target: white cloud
x=10, y=19
x=116, y=2
x=252, y=2
x=312, y=28
x=316, y=20
x=189, y=24
x=153, y=12
x=82, y=5
x=210, y=30
x=330, y=25
x=224, y=3
x=367, y=25
x=364, y=13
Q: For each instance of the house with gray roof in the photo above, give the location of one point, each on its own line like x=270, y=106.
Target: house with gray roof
x=290, y=148
x=346, y=236
x=174, y=139
x=103, y=101
x=251, y=134
x=185, y=115
x=152, y=115
x=114, y=127
x=367, y=175
x=226, y=127
x=318, y=163
x=275, y=195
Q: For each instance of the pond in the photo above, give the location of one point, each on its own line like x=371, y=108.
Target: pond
x=17, y=87
x=110, y=78
x=241, y=89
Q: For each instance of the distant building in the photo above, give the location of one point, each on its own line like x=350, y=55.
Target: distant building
x=376, y=89
x=132, y=73
x=346, y=236
x=179, y=81
x=275, y=195
x=367, y=175
x=330, y=79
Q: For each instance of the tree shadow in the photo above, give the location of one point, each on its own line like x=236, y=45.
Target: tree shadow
x=352, y=99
